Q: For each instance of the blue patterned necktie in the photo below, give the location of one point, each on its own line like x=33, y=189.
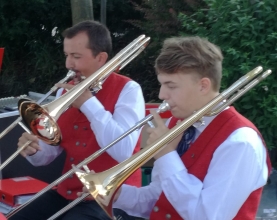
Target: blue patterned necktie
x=187, y=138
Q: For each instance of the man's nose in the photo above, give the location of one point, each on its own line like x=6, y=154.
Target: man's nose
x=162, y=94
x=69, y=64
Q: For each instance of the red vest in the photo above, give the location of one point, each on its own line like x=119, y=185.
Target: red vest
x=198, y=157
x=79, y=142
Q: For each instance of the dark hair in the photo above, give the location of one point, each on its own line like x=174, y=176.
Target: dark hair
x=191, y=53
x=98, y=34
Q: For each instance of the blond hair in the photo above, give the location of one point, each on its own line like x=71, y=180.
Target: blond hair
x=191, y=53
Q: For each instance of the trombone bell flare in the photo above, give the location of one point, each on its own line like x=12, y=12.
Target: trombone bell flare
x=40, y=123
x=103, y=195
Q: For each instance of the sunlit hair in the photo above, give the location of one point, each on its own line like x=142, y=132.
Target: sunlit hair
x=182, y=54
x=98, y=34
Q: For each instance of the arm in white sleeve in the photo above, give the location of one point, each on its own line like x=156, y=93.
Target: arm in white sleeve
x=238, y=168
x=143, y=198
x=129, y=109
x=46, y=155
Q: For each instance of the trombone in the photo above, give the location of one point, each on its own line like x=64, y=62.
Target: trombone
x=104, y=185
x=70, y=75
x=162, y=108
x=46, y=116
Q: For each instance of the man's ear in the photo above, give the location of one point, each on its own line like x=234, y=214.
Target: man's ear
x=205, y=85
x=102, y=58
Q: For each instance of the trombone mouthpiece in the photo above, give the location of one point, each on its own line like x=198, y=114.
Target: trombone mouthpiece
x=71, y=74
x=163, y=107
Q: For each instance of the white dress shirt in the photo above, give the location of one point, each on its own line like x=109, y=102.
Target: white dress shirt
x=238, y=168
x=129, y=109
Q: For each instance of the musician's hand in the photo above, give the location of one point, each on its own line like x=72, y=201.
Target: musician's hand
x=100, y=198
x=84, y=191
x=81, y=99
x=157, y=132
x=32, y=148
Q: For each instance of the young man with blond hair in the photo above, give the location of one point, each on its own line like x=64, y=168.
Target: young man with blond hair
x=219, y=173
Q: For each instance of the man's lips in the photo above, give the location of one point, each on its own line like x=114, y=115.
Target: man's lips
x=172, y=107
x=78, y=78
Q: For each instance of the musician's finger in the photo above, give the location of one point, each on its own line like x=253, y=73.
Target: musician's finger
x=28, y=151
x=29, y=137
x=150, y=130
x=85, y=190
x=157, y=118
x=65, y=86
x=32, y=147
x=151, y=125
x=23, y=153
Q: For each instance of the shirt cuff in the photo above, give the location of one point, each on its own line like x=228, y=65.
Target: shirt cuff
x=168, y=165
x=35, y=158
x=90, y=107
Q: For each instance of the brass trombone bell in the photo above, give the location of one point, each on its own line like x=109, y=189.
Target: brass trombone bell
x=70, y=75
x=38, y=120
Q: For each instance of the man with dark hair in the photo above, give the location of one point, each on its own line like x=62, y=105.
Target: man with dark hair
x=217, y=169
x=93, y=122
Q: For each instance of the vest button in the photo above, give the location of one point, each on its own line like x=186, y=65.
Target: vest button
x=85, y=128
x=168, y=216
x=68, y=192
x=75, y=127
x=71, y=159
x=77, y=143
x=156, y=208
x=84, y=144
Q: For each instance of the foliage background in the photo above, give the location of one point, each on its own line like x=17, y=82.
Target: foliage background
x=246, y=31
x=33, y=58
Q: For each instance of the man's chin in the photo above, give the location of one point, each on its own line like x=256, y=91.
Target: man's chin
x=178, y=114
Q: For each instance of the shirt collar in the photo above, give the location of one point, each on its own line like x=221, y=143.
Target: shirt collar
x=207, y=120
